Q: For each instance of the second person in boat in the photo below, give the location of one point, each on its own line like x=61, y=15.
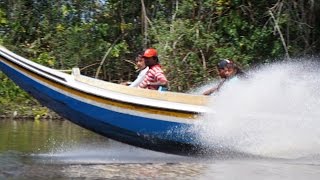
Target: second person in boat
x=228, y=71
x=143, y=69
x=155, y=77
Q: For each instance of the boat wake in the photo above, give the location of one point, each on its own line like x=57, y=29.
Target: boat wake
x=275, y=113
x=110, y=152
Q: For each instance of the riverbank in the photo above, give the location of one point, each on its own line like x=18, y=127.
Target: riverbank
x=20, y=105
x=30, y=113
x=25, y=117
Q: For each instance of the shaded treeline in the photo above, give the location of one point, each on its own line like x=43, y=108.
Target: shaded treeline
x=191, y=36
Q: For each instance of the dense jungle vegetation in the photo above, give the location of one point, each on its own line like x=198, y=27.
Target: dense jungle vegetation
x=102, y=37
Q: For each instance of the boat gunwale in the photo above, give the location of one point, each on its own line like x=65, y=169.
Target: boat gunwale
x=174, y=97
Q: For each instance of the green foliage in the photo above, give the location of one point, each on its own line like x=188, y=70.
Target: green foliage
x=45, y=59
x=9, y=89
x=39, y=112
x=12, y=98
x=191, y=45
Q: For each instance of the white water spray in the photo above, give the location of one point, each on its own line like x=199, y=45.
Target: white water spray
x=274, y=113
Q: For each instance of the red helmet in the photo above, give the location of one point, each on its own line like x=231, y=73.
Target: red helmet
x=150, y=53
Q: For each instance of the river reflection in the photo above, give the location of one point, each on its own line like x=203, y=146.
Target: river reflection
x=28, y=136
x=61, y=150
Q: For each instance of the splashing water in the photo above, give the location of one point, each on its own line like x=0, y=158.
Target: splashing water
x=274, y=113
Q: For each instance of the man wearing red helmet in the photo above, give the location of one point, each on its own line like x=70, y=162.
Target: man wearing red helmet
x=155, y=76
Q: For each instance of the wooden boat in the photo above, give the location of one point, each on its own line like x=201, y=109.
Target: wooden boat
x=154, y=120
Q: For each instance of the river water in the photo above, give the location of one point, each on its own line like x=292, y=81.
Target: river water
x=273, y=116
